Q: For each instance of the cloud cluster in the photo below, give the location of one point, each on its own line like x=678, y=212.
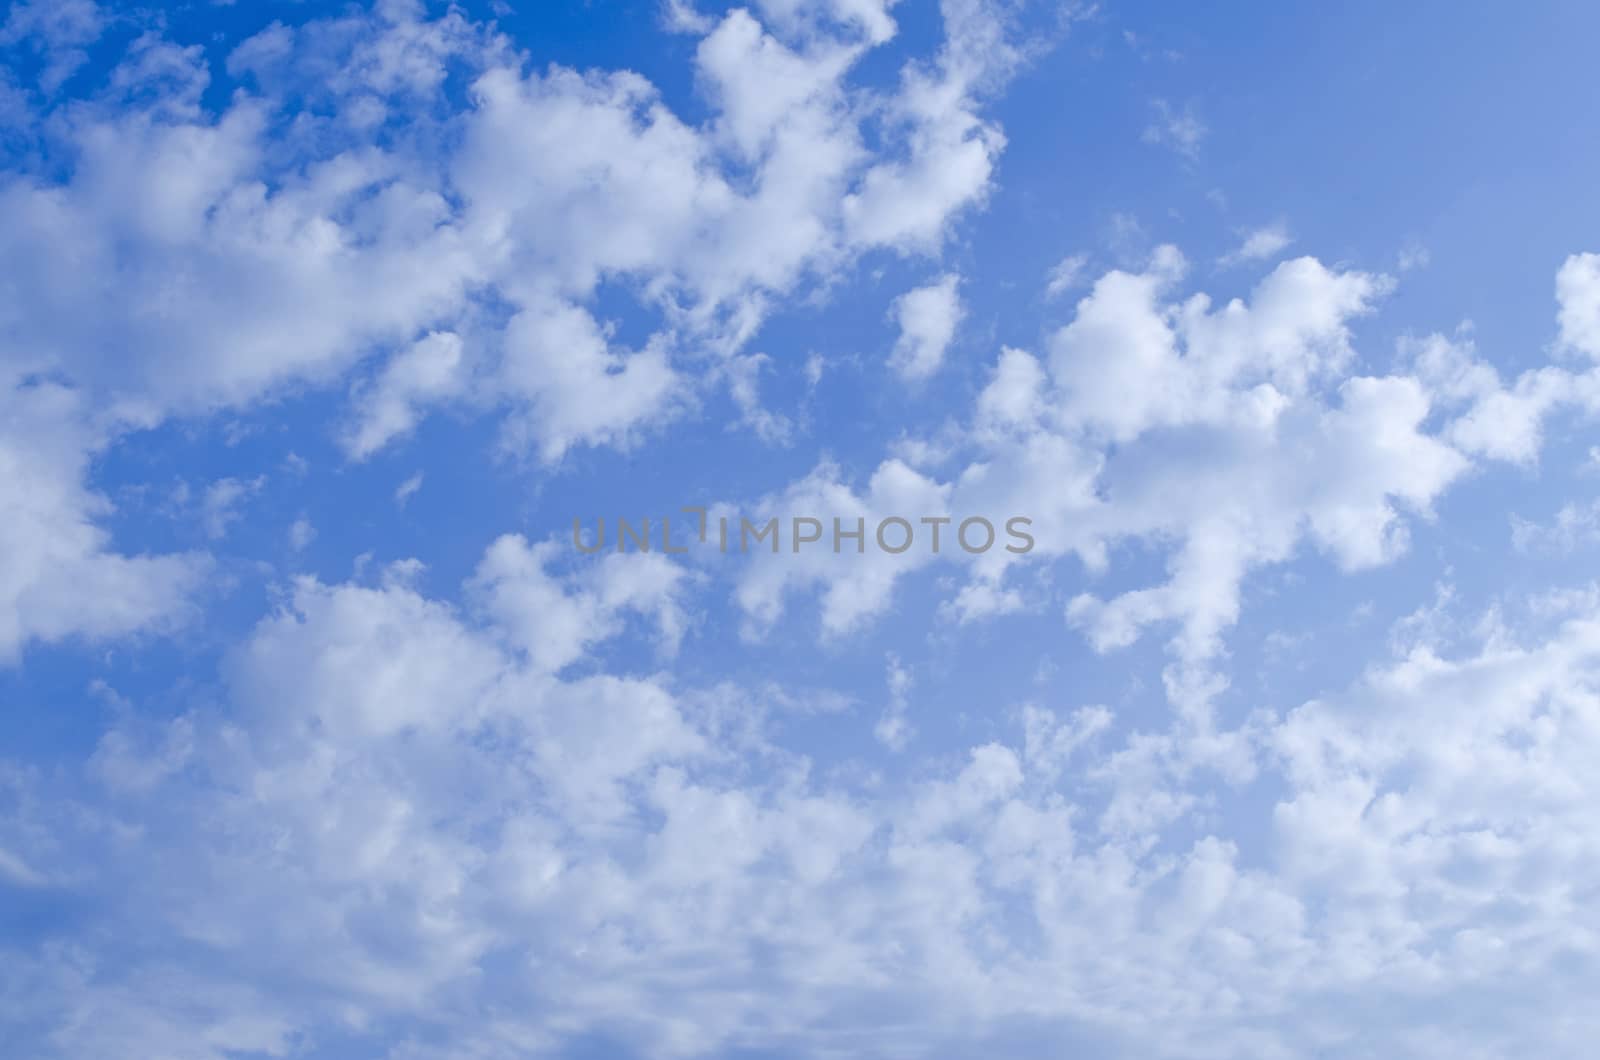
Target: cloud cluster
x=1213, y=414
x=60, y=575
x=399, y=204
x=451, y=835
x=928, y=317
x=1231, y=436
x=504, y=819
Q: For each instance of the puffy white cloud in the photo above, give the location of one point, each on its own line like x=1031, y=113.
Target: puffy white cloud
x=1232, y=435
x=928, y=317
x=857, y=577
x=744, y=386
x=426, y=371
x=1231, y=432
x=574, y=388
x=555, y=623
x=364, y=661
x=870, y=17
x=1128, y=363
x=59, y=30
x=571, y=180
x=1437, y=790
x=1575, y=525
x=564, y=855
x=177, y=260
x=219, y=506
x=495, y=828
x=187, y=260
x=166, y=273
x=1578, y=292
x=1488, y=417
x=1369, y=458
x=571, y=177
x=59, y=575
x=174, y=260
x=1013, y=398
x=950, y=152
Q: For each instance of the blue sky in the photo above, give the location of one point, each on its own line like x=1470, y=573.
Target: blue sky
x=321, y=324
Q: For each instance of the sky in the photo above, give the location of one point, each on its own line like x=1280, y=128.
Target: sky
x=1271, y=734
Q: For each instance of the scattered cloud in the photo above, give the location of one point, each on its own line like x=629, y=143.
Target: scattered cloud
x=1067, y=275
x=407, y=489
x=1260, y=244
x=490, y=797
x=928, y=318
x=1179, y=130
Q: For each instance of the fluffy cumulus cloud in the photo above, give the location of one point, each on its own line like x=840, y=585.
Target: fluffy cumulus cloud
x=1167, y=418
x=1578, y=288
x=325, y=737
x=428, y=371
x=399, y=200
x=449, y=832
x=234, y=251
x=928, y=317
x=853, y=567
x=61, y=575
x=1236, y=432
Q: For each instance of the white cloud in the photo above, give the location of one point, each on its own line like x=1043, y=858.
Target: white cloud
x=1231, y=436
x=950, y=151
x=1261, y=244
x=870, y=17
x=1428, y=790
x=894, y=726
x=1231, y=432
x=16, y=871
x=680, y=16
x=1575, y=525
x=301, y=534
x=1426, y=825
x=231, y=256
x=1489, y=417
x=1578, y=292
x=236, y=291
x=555, y=622
x=1413, y=255
x=928, y=318
x=59, y=30
x=576, y=387
x=407, y=489
x=1180, y=130
x=1119, y=366
x=500, y=821
x=175, y=259
x=428, y=370
x=855, y=585
x=219, y=506
x=59, y=576
x=744, y=387
x=1372, y=461
x=1066, y=275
